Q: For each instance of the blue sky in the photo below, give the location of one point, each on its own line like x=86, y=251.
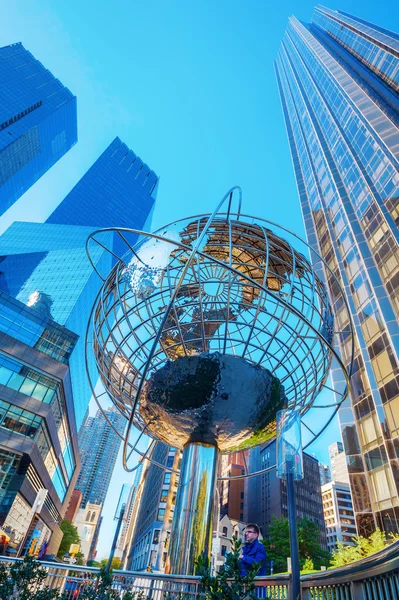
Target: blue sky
x=190, y=87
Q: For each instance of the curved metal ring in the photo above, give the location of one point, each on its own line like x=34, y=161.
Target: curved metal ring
x=263, y=288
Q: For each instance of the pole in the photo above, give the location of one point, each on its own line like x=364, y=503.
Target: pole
x=115, y=541
x=295, y=568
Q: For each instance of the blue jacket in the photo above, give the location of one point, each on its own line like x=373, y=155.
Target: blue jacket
x=253, y=553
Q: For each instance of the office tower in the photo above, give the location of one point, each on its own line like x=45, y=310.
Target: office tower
x=38, y=122
x=45, y=264
x=131, y=511
x=325, y=474
x=39, y=456
x=338, y=82
x=338, y=514
x=232, y=493
x=150, y=540
x=99, y=446
x=118, y=190
x=267, y=494
x=339, y=466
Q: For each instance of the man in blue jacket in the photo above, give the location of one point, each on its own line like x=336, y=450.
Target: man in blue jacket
x=253, y=551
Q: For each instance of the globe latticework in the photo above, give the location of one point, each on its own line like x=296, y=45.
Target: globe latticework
x=223, y=288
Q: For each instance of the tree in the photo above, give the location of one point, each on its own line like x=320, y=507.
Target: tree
x=278, y=544
x=23, y=581
x=115, y=565
x=344, y=555
x=71, y=536
x=228, y=584
x=79, y=558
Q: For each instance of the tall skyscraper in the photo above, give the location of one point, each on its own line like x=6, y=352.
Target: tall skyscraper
x=338, y=80
x=156, y=504
x=45, y=265
x=99, y=447
x=118, y=190
x=38, y=122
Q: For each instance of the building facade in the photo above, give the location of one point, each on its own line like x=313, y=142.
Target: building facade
x=325, y=474
x=87, y=521
x=39, y=456
x=338, y=514
x=99, y=446
x=156, y=503
x=45, y=265
x=232, y=493
x=38, y=122
x=267, y=494
x=339, y=466
x=222, y=540
x=338, y=82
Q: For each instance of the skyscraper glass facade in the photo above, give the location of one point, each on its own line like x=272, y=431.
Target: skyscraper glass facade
x=99, y=446
x=338, y=80
x=118, y=190
x=45, y=265
x=38, y=122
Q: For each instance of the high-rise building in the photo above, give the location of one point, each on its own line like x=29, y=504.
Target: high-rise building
x=325, y=474
x=339, y=466
x=232, y=492
x=267, y=494
x=99, y=446
x=45, y=265
x=150, y=539
x=38, y=122
x=338, y=81
x=118, y=190
x=39, y=456
x=338, y=514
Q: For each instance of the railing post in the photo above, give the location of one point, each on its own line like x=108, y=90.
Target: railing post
x=357, y=590
x=305, y=593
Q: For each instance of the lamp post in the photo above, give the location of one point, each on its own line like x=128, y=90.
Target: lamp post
x=290, y=467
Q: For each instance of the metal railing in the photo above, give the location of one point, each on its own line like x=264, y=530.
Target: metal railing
x=373, y=578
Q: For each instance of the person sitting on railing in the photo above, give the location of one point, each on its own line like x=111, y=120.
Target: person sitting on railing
x=253, y=551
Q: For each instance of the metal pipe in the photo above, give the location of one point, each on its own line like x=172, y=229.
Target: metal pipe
x=191, y=535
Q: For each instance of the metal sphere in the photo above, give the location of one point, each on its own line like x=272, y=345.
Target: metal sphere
x=223, y=286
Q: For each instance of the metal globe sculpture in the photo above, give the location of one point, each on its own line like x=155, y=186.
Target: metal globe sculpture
x=204, y=329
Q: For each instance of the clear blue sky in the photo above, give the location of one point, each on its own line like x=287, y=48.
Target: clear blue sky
x=189, y=86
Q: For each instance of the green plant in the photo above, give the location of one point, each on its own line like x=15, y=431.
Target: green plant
x=25, y=581
x=363, y=547
x=229, y=583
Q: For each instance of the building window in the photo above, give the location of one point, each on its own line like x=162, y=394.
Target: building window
x=155, y=539
x=224, y=531
x=224, y=550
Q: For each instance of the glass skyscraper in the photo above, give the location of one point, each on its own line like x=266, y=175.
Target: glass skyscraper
x=38, y=122
x=45, y=265
x=339, y=80
x=99, y=447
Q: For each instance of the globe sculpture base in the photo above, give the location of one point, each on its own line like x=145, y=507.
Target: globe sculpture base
x=191, y=535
